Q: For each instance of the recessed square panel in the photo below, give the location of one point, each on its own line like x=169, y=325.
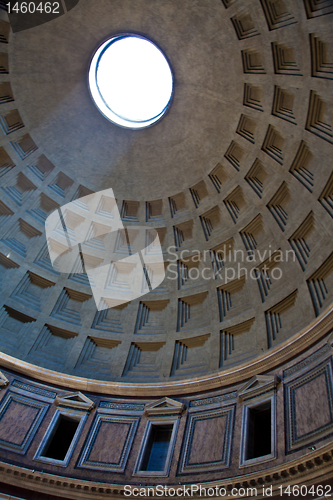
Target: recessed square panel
x=109, y=443
x=20, y=418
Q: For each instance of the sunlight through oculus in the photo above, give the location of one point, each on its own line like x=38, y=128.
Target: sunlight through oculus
x=130, y=81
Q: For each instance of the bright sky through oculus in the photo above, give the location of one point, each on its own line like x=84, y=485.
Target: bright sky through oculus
x=130, y=81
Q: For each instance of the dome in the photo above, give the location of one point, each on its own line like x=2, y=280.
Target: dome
x=233, y=183
x=235, y=179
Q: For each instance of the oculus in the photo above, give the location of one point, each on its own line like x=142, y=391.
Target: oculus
x=130, y=81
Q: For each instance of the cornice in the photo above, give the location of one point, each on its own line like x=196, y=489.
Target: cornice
x=307, y=470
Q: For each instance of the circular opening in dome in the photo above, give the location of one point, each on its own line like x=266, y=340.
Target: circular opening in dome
x=130, y=81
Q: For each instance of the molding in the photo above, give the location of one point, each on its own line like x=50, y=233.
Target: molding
x=214, y=400
x=311, y=360
x=152, y=422
x=74, y=414
x=28, y=390
x=258, y=385
x=294, y=440
x=118, y=406
x=307, y=469
x=32, y=425
x=164, y=406
x=75, y=400
x=120, y=420
x=275, y=356
x=155, y=421
x=228, y=412
x=253, y=403
x=3, y=380
x=330, y=340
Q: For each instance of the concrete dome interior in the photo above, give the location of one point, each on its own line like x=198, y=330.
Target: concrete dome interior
x=241, y=161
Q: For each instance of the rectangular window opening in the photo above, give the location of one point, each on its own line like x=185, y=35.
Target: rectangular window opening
x=259, y=431
x=157, y=448
x=61, y=438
